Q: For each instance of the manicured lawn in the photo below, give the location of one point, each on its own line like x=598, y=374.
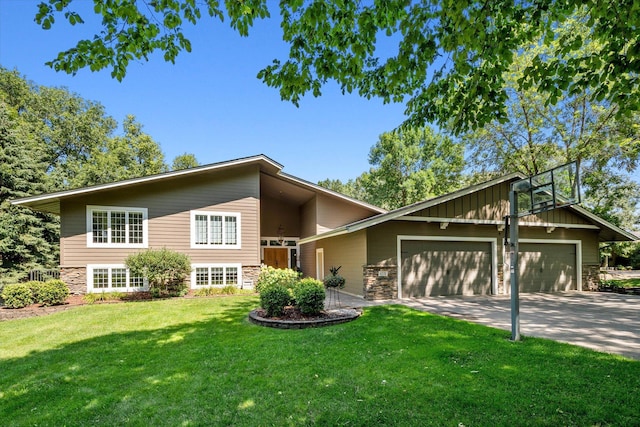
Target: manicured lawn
x=200, y=362
x=626, y=283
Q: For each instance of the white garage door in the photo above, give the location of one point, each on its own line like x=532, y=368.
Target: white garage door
x=433, y=268
x=547, y=267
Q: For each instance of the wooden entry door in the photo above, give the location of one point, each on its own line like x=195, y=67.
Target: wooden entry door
x=276, y=257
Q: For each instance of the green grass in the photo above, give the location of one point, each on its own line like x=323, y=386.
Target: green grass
x=625, y=283
x=200, y=362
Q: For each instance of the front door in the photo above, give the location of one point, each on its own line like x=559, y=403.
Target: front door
x=276, y=257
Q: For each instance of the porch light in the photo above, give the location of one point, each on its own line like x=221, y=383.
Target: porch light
x=280, y=234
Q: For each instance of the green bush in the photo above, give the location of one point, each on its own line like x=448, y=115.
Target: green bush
x=51, y=292
x=17, y=295
x=276, y=276
x=35, y=287
x=274, y=299
x=309, y=296
x=166, y=270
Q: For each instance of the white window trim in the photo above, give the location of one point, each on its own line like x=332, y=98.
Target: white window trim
x=209, y=265
x=110, y=267
x=320, y=263
x=238, y=244
x=145, y=227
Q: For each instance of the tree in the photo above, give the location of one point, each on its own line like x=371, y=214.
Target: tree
x=449, y=62
x=536, y=136
x=27, y=238
x=408, y=166
x=353, y=188
x=132, y=155
x=184, y=161
x=50, y=140
x=412, y=165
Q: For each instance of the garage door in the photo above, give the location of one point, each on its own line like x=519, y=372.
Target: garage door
x=547, y=267
x=433, y=268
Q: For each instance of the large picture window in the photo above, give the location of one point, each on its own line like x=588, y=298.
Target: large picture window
x=113, y=278
x=215, y=230
x=206, y=275
x=111, y=226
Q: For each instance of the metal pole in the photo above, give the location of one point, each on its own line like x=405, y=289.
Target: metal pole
x=513, y=267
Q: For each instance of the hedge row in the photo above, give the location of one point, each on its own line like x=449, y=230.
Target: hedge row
x=19, y=295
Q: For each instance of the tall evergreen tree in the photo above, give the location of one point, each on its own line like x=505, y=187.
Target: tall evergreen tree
x=27, y=238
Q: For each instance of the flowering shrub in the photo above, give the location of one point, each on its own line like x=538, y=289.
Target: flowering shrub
x=272, y=276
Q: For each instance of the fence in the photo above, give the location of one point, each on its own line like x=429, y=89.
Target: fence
x=42, y=275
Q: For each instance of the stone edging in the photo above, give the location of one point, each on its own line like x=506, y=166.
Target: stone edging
x=339, y=316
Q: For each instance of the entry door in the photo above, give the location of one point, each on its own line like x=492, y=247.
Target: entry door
x=276, y=257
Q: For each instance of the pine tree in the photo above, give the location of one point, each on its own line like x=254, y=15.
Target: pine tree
x=28, y=239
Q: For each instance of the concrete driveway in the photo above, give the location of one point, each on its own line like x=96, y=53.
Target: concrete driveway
x=601, y=321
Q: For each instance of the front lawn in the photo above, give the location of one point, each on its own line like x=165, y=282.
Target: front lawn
x=625, y=283
x=200, y=362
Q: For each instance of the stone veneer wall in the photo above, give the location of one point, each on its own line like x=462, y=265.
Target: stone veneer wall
x=377, y=286
x=75, y=278
x=590, y=277
x=250, y=272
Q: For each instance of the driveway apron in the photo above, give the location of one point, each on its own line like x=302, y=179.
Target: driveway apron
x=600, y=321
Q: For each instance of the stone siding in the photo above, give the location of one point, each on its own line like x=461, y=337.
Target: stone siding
x=75, y=278
x=380, y=282
x=250, y=273
x=590, y=277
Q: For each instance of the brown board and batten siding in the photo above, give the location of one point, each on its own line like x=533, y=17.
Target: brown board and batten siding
x=169, y=204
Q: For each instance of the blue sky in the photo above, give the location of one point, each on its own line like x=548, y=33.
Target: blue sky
x=210, y=102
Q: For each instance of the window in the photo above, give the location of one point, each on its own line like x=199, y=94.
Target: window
x=215, y=230
x=205, y=275
x=113, y=278
x=110, y=226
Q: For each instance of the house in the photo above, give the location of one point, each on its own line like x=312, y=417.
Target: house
x=232, y=217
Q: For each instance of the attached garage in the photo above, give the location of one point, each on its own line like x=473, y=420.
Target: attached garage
x=548, y=267
x=446, y=267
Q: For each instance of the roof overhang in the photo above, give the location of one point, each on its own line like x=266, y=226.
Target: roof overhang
x=50, y=202
x=608, y=232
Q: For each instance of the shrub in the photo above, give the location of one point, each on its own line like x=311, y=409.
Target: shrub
x=334, y=280
x=51, y=292
x=309, y=296
x=272, y=276
x=274, y=299
x=17, y=295
x=166, y=270
x=36, y=287
x=103, y=296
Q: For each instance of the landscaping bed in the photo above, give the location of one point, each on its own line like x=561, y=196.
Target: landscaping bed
x=292, y=318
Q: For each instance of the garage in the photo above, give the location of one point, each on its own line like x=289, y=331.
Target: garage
x=436, y=267
x=547, y=267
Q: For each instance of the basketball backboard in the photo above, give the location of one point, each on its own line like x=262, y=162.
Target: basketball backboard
x=548, y=190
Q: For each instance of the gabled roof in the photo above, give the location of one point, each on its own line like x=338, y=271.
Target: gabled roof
x=617, y=232
x=50, y=202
